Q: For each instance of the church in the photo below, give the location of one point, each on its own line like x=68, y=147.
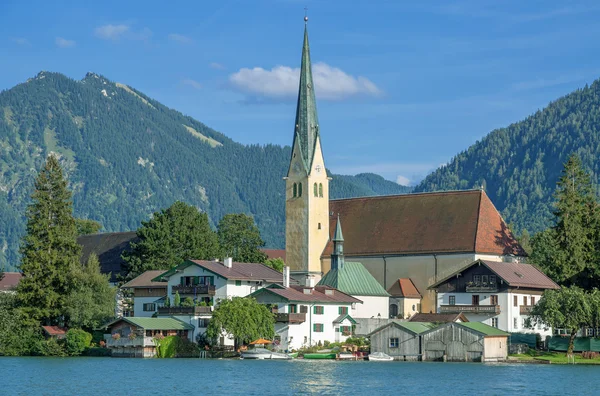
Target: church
x=422, y=237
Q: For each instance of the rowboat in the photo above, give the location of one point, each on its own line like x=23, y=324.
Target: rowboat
x=380, y=357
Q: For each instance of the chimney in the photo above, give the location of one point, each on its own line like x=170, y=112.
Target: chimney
x=228, y=262
x=310, y=281
x=286, y=276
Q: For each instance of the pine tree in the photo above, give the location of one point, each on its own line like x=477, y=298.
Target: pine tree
x=49, y=249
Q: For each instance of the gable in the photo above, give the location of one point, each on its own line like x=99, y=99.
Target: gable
x=425, y=223
x=353, y=279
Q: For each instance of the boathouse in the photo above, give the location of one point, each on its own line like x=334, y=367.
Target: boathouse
x=465, y=342
x=399, y=339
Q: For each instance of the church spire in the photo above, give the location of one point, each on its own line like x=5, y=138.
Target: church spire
x=306, y=131
x=337, y=257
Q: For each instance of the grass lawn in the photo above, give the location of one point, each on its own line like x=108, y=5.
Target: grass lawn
x=553, y=357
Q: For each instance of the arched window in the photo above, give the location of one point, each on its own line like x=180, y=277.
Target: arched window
x=299, y=189
x=319, y=226
x=393, y=310
x=320, y=190
x=295, y=190
x=315, y=189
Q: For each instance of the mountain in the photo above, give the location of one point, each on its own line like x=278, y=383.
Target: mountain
x=518, y=166
x=126, y=156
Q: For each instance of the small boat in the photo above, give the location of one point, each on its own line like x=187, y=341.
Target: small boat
x=380, y=357
x=331, y=355
x=347, y=356
x=263, y=353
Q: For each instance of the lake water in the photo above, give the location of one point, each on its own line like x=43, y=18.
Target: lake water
x=110, y=376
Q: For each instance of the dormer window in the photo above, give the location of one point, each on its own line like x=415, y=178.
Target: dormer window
x=329, y=292
x=308, y=290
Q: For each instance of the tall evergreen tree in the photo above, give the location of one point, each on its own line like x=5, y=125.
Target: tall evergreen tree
x=49, y=250
x=239, y=238
x=567, y=251
x=173, y=235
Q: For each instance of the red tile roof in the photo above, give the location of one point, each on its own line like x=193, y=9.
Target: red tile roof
x=10, y=280
x=404, y=287
x=274, y=253
x=238, y=271
x=54, y=330
x=145, y=280
x=424, y=223
x=318, y=294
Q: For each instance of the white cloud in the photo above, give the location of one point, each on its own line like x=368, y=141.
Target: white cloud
x=402, y=180
x=216, y=66
x=192, y=83
x=111, y=32
x=20, y=41
x=331, y=83
x=180, y=38
x=64, y=43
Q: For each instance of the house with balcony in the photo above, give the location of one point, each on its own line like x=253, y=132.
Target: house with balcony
x=147, y=294
x=202, y=284
x=307, y=315
x=134, y=337
x=496, y=293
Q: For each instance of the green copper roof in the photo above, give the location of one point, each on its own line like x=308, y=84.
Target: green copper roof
x=338, y=236
x=306, y=128
x=483, y=328
x=354, y=279
x=156, y=323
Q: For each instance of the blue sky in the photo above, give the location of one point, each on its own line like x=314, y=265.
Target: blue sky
x=403, y=86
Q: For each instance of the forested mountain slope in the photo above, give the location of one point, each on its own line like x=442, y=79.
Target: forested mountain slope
x=520, y=165
x=127, y=156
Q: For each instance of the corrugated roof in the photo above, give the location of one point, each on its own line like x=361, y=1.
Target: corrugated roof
x=425, y=223
x=438, y=317
x=404, y=287
x=238, y=271
x=108, y=246
x=10, y=280
x=354, y=279
x=274, y=253
x=483, y=328
x=318, y=294
x=145, y=280
x=413, y=327
x=155, y=323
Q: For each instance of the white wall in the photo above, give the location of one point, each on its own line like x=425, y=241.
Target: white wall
x=372, y=306
x=138, y=306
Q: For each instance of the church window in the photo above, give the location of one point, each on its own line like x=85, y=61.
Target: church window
x=295, y=190
x=315, y=189
x=320, y=190
x=299, y=189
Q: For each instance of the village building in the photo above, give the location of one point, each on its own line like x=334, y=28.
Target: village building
x=353, y=279
x=465, y=342
x=496, y=293
x=56, y=332
x=146, y=294
x=307, y=316
x=405, y=299
x=438, y=317
x=9, y=281
x=134, y=337
x=400, y=339
x=204, y=283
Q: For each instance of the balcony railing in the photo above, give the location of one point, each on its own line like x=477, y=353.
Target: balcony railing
x=525, y=309
x=126, y=342
x=489, y=288
x=290, y=317
x=184, y=310
x=474, y=309
x=195, y=289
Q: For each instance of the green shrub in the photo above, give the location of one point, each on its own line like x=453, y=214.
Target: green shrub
x=50, y=347
x=188, y=302
x=167, y=302
x=76, y=341
x=177, y=300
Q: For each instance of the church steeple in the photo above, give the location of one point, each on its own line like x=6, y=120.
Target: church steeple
x=306, y=129
x=337, y=257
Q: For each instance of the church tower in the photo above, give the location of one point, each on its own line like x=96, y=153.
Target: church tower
x=307, y=184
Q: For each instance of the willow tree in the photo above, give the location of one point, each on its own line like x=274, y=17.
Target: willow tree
x=49, y=249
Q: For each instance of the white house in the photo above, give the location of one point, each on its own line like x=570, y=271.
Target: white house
x=353, y=279
x=405, y=300
x=146, y=293
x=496, y=293
x=206, y=283
x=308, y=315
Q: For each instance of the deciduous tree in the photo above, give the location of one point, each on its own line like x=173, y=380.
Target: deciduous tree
x=242, y=317
x=276, y=263
x=86, y=226
x=239, y=238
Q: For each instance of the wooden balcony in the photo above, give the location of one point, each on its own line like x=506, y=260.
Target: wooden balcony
x=290, y=317
x=195, y=289
x=481, y=288
x=472, y=309
x=525, y=309
x=184, y=310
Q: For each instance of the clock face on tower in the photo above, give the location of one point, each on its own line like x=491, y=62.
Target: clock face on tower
x=318, y=168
